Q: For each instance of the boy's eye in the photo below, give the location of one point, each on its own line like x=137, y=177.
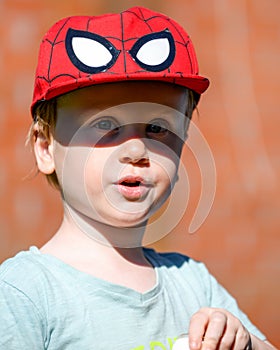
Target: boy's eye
x=157, y=129
x=106, y=125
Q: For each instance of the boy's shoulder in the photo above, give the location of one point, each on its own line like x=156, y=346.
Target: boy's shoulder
x=23, y=270
x=183, y=269
x=22, y=257
x=176, y=260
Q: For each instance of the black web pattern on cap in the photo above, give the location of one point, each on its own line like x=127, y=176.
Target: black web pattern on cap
x=107, y=40
x=104, y=46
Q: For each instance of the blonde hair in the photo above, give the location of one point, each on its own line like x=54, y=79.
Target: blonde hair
x=44, y=122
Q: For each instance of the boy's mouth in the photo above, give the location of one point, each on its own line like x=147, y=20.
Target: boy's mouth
x=131, y=181
x=131, y=184
x=133, y=188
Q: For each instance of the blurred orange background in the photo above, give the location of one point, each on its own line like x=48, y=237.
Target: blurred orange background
x=238, y=47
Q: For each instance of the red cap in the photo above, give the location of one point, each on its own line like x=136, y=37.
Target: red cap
x=137, y=44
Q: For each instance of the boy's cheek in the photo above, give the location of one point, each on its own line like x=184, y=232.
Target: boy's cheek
x=175, y=143
x=59, y=153
x=70, y=163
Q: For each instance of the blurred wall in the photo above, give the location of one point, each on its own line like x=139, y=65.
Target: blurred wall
x=238, y=46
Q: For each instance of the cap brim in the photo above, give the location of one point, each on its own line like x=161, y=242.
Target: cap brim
x=196, y=83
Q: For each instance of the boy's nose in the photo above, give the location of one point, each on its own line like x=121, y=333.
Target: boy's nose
x=134, y=151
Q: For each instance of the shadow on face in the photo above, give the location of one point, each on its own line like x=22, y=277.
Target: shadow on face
x=110, y=114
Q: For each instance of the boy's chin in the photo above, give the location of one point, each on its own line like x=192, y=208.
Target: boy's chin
x=114, y=234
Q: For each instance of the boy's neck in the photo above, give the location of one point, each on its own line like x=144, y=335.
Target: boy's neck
x=85, y=239
x=102, y=233
x=121, y=265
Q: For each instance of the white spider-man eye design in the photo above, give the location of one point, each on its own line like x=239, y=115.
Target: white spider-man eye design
x=89, y=52
x=154, y=52
x=92, y=53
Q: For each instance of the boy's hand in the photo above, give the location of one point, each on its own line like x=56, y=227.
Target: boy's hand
x=218, y=329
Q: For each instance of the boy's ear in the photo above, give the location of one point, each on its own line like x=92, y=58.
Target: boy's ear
x=43, y=149
x=186, y=127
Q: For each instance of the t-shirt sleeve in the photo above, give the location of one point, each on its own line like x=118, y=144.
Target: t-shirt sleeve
x=21, y=326
x=219, y=297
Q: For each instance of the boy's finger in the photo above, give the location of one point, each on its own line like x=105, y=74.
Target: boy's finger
x=215, y=330
x=228, y=340
x=243, y=339
x=197, y=329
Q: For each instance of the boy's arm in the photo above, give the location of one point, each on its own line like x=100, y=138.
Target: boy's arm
x=20, y=322
x=212, y=328
x=223, y=317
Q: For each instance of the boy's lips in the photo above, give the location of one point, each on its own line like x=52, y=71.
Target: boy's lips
x=133, y=187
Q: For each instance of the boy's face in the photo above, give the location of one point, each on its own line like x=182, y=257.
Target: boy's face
x=117, y=147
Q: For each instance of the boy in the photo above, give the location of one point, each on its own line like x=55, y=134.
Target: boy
x=112, y=101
